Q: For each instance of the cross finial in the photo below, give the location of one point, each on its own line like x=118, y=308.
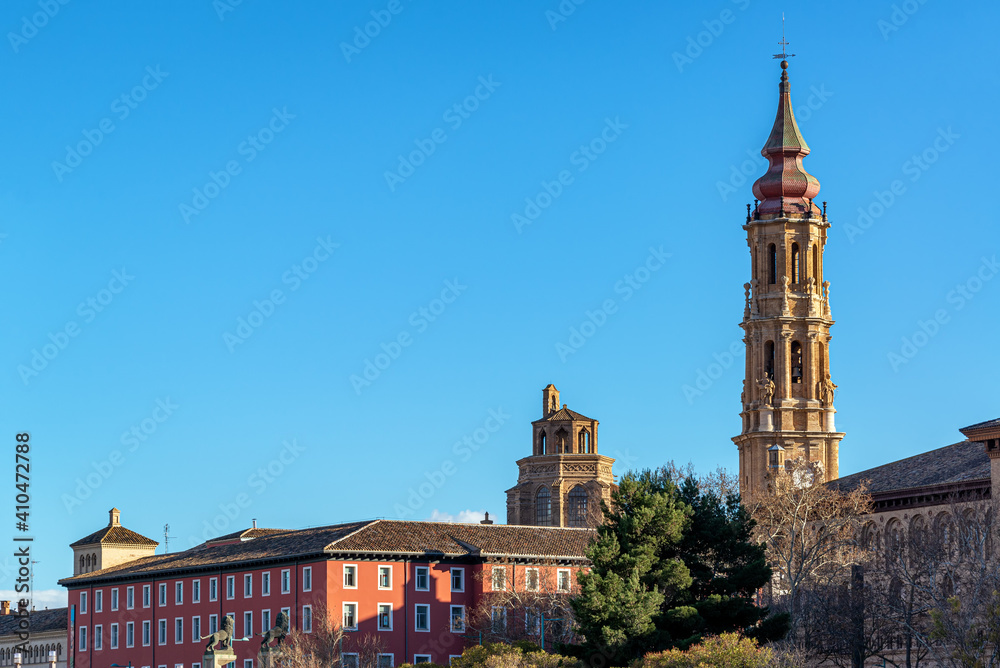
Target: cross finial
x=784, y=55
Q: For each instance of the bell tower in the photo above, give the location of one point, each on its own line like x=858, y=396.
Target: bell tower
x=787, y=399
x=564, y=480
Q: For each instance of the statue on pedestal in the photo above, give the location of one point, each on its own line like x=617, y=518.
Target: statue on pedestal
x=767, y=390
x=278, y=633
x=223, y=635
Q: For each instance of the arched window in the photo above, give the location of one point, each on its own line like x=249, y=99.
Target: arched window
x=816, y=263
x=58, y=650
x=541, y=442
x=583, y=441
x=81, y=564
x=796, y=362
x=553, y=406
x=562, y=442
x=769, y=359
x=576, y=507
x=796, y=276
x=772, y=264
x=93, y=561
x=543, y=507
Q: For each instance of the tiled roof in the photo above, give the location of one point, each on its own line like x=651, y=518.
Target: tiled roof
x=115, y=535
x=285, y=544
x=954, y=463
x=564, y=414
x=989, y=424
x=431, y=539
x=245, y=534
x=449, y=539
x=54, y=619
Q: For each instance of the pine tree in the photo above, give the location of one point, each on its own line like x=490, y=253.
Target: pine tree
x=671, y=565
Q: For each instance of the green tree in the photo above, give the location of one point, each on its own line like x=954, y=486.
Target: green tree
x=728, y=567
x=629, y=579
x=671, y=564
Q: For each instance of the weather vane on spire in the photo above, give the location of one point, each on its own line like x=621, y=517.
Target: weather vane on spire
x=783, y=44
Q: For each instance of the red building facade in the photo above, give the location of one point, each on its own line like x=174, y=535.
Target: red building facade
x=413, y=585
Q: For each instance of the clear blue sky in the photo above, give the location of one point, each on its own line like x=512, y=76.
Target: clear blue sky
x=301, y=132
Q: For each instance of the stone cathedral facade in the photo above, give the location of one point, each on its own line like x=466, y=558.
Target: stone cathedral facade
x=564, y=480
x=787, y=401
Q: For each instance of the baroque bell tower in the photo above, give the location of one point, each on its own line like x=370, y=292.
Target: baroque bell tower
x=787, y=400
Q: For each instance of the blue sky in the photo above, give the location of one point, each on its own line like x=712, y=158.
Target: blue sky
x=214, y=215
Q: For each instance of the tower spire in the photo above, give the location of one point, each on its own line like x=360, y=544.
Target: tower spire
x=785, y=148
x=787, y=402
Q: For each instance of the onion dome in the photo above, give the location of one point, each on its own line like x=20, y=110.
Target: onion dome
x=786, y=186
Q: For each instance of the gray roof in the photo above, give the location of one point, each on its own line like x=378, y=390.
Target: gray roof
x=54, y=619
x=954, y=463
x=989, y=424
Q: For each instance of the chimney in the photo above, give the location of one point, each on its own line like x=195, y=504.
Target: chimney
x=4, y=607
x=487, y=520
x=115, y=517
x=255, y=523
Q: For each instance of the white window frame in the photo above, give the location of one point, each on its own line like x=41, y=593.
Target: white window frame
x=416, y=658
x=569, y=580
x=455, y=571
x=163, y=594
x=213, y=623
x=147, y=633
x=213, y=589
x=451, y=618
x=452, y=657
x=195, y=628
x=98, y=600
x=343, y=612
x=357, y=659
x=178, y=630
x=416, y=578
x=230, y=587
x=388, y=568
x=392, y=659
x=416, y=617
x=307, y=578
x=532, y=615
x=527, y=581
x=247, y=663
x=248, y=624
x=179, y=592
x=265, y=620
x=286, y=581
x=355, y=574
x=129, y=634
x=129, y=598
x=113, y=635
x=288, y=612
x=307, y=619
x=82, y=633
x=161, y=632
x=114, y=599
x=147, y=596
x=503, y=617
x=265, y=583
x=493, y=578
x=196, y=591
x=248, y=585
x=83, y=602
x=98, y=637
x=378, y=616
